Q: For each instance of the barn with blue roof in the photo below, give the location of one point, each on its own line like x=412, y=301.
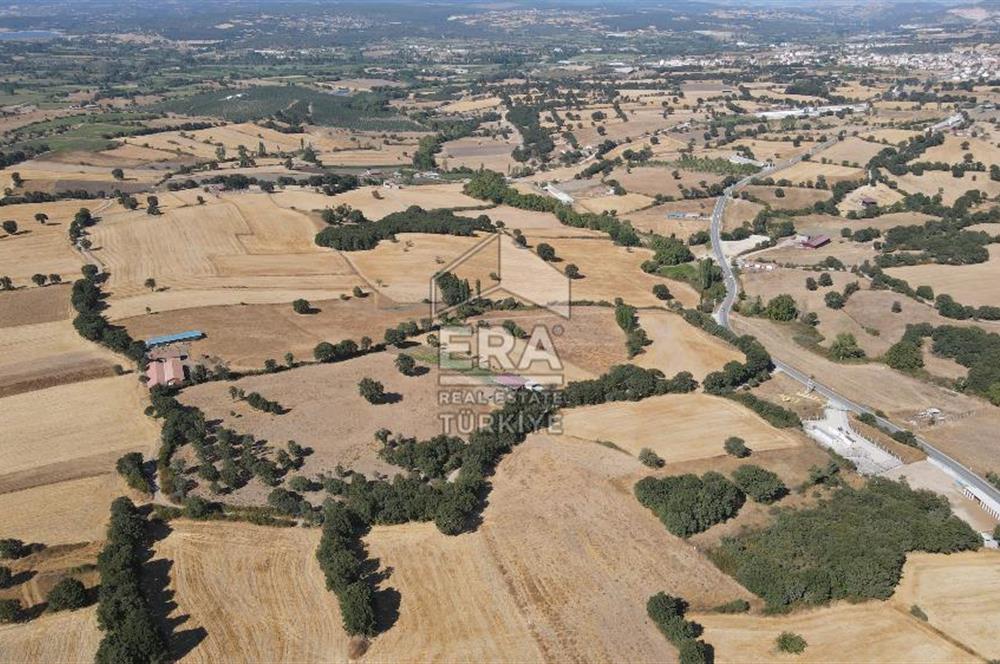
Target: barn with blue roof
x=190, y=335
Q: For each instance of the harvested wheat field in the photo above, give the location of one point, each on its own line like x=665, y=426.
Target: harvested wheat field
x=35, y=356
x=99, y=421
x=869, y=632
x=442, y=616
x=678, y=427
x=377, y=202
x=974, y=284
x=960, y=593
x=245, y=336
x=66, y=637
x=326, y=412
x=480, y=152
x=853, y=150
x=808, y=171
x=944, y=183
x=567, y=556
x=243, y=599
x=402, y=270
x=794, y=198
x=241, y=248
x=589, y=339
x=63, y=512
x=679, y=346
x=541, y=224
x=657, y=219
x=31, y=305
x=39, y=248
x=739, y=212
x=470, y=105
x=609, y=271
x=623, y=204
x=653, y=180
x=953, y=152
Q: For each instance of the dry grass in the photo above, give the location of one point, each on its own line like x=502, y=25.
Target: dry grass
x=795, y=198
x=559, y=570
x=68, y=637
x=245, y=336
x=656, y=220
x=241, y=248
x=960, y=593
x=344, y=434
x=402, y=270
x=389, y=200
x=258, y=593
x=623, y=204
x=678, y=427
x=37, y=248
x=610, y=271
x=98, y=420
x=883, y=195
x=944, y=183
x=870, y=632
x=853, y=150
x=975, y=284
x=808, y=171
x=63, y=512
x=679, y=346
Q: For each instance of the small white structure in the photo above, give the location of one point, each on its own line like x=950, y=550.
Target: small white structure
x=558, y=194
x=834, y=432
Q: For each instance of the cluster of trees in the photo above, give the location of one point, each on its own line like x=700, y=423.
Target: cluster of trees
x=90, y=323
x=129, y=467
x=432, y=459
x=628, y=321
x=259, y=402
x=756, y=367
x=492, y=186
x=851, y=546
x=358, y=237
x=776, y=415
x=974, y=348
x=667, y=613
x=181, y=424
x=536, y=142
x=626, y=382
x=123, y=614
x=688, y=504
x=342, y=560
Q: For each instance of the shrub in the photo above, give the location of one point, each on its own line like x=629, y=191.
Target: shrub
x=760, y=484
x=11, y=548
x=650, y=458
x=834, y=300
x=736, y=606
x=736, y=446
x=904, y=355
x=68, y=594
x=662, y=292
x=406, y=364
x=918, y=613
x=790, y=642
x=372, y=390
x=129, y=466
x=825, y=279
x=5, y=576
x=302, y=306
x=845, y=347
x=781, y=308
x=545, y=252
x=10, y=611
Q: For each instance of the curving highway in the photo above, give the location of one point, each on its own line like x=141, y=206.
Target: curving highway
x=984, y=491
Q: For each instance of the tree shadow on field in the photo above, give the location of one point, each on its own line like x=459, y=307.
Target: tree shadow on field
x=386, y=598
x=156, y=581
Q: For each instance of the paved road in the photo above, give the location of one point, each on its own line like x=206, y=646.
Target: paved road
x=956, y=469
